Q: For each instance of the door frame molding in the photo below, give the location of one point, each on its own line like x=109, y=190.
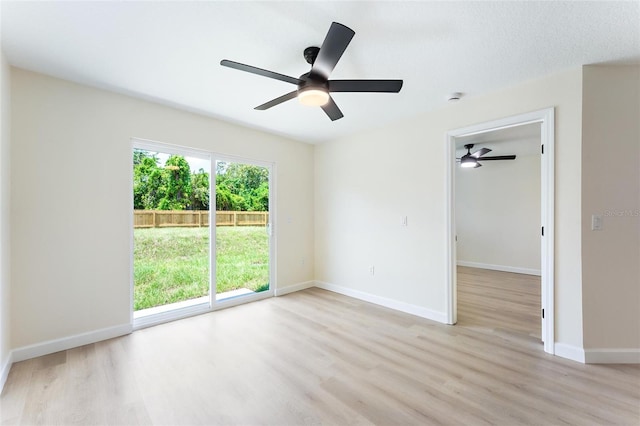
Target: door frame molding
x=546, y=117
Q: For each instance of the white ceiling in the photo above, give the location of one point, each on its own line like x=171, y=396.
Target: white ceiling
x=170, y=52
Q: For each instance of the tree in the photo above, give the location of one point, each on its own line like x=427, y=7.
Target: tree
x=227, y=200
x=141, y=154
x=260, y=198
x=176, y=188
x=239, y=187
x=199, y=191
x=242, y=187
x=145, y=182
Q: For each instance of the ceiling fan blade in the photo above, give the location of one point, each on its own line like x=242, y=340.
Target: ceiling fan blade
x=481, y=152
x=381, y=86
x=332, y=110
x=277, y=101
x=333, y=46
x=498, y=157
x=259, y=71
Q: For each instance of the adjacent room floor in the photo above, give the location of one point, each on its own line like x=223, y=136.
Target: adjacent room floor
x=315, y=357
x=501, y=302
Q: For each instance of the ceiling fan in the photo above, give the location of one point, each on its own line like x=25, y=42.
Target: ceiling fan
x=470, y=160
x=314, y=87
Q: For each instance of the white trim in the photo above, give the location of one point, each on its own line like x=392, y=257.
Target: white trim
x=387, y=303
x=547, y=185
x=273, y=225
x=197, y=309
x=213, y=229
x=4, y=373
x=547, y=219
x=503, y=268
x=293, y=288
x=229, y=158
x=167, y=148
x=239, y=300
x=451, y=276
x=571, y=352
x=612, y=356
x=170, y=315
x=57, y=345
x=131, y=236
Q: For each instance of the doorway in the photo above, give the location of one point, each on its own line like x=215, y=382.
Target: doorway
x=545, y=118
x=498, y=232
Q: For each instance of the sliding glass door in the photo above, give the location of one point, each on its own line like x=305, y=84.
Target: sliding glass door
x=202, y=235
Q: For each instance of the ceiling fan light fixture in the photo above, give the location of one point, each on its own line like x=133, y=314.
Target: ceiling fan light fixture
x=468, y=162
x=313, y=96
x=314, y=87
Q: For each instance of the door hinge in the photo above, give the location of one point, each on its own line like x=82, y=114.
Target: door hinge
x=543, y=231
x=542, y=148
x=542, y=313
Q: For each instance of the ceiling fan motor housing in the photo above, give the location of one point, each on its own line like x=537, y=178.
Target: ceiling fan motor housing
x=310, y=54
x=307, y=81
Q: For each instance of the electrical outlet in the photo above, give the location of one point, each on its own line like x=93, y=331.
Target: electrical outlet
x=372, y=270
x=404, y=221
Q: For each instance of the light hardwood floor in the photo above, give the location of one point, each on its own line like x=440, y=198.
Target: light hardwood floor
x=316, y=357
x=494, y=301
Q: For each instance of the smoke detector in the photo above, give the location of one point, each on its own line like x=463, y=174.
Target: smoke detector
x=454, y=97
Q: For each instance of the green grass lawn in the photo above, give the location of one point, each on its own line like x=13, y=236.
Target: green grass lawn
x=172, y=264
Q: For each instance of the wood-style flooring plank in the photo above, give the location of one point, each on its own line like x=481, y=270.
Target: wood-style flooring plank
x=317, y=357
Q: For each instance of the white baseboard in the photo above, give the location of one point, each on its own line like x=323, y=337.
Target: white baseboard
x=294, y=287
x=612, y=356
x=57, y=345
x=514, y=269
x=4, y=372
x=387, y=303
x=571, y=352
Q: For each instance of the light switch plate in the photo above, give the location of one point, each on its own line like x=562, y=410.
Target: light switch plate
x=596, y=222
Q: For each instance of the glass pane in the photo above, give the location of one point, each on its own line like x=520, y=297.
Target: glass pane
x=242, y=232
x=171, y=231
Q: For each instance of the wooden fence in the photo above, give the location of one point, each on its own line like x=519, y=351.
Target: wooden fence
x=196, y=218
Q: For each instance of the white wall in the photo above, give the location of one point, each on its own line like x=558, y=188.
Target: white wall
x=5, y=241
x=71, y=276
x=71, y=162
x=365, y=183
x=498, y=214
x=611, y=187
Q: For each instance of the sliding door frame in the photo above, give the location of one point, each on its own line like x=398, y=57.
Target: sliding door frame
x=212, y=304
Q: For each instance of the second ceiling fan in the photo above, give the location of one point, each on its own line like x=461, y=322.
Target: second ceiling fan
x=470, y=160
x=314, y=87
